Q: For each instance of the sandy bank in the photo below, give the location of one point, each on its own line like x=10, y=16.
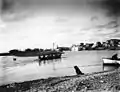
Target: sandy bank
x=103, y=81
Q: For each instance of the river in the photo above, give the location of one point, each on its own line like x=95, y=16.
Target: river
x=25, y=70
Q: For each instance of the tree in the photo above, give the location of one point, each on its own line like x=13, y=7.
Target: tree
x=14, y=51
x=28, y=50
x=41, y=50
x=98, y=44
x=81, y=44
x=36, y=50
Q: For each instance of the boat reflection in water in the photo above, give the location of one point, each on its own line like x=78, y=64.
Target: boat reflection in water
x=45, y=62
x=108, y=67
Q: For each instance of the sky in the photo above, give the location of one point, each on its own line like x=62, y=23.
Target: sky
x=40, y=23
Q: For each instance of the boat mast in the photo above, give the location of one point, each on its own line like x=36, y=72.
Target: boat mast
x=53, y=45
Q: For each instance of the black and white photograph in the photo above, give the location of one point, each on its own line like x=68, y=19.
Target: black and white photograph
x=59, y=45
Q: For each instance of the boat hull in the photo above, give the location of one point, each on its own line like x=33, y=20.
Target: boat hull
x=110, y=61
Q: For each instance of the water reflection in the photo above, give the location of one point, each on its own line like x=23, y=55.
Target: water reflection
x=49, y=62
x=110, y=67
x=45, y=62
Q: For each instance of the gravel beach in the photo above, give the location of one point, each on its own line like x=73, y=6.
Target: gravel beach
x=107, y=81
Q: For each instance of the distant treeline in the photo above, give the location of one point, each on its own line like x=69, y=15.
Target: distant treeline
x=28, y=52
x=34, y=52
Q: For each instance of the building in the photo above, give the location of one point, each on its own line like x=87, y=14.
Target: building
x=74, y=47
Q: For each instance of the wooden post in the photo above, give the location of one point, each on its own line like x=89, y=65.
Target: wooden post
x=78, y=72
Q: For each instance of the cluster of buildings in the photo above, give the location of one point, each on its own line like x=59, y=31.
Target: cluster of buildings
x=112, y=44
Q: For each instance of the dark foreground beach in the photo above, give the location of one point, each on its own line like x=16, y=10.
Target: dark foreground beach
x=107, y=81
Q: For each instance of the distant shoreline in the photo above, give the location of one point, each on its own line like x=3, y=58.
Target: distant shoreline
x=31, y=53
x=34, y=54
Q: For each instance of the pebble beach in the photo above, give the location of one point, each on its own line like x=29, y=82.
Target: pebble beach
x=107, y=81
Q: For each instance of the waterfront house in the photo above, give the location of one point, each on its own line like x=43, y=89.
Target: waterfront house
x=74, y=48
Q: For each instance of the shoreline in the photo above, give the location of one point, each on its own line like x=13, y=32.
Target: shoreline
x=36, y=54
x=102, y=81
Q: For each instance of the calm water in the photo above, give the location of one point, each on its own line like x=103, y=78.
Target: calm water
x=25, y=69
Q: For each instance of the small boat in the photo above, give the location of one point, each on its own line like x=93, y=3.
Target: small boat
x=112, y=61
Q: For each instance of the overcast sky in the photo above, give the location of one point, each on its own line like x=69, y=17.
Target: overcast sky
x=39, y=23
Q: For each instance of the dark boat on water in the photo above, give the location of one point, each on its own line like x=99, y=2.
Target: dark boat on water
x=50, y=55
